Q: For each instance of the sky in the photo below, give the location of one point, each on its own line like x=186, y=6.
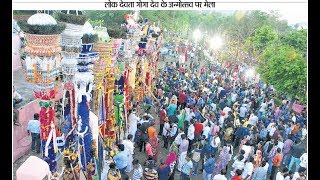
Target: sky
x=293, y=16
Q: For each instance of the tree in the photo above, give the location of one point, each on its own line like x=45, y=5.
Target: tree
x=284, y=68
x=108, y=18
x=256, y=44
x=296, y=39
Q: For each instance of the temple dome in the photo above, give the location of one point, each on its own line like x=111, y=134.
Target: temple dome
x=87, y=28
x=41, y=19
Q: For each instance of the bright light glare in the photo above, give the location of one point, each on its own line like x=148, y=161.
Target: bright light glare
x=216, y=42
x=197, y=34
x=250, y=73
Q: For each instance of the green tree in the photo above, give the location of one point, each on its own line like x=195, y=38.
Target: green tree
x=284, y=68
x=296, y=39
x=256, y=44
x=109, y=18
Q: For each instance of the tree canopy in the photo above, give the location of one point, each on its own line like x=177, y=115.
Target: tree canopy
x=284, y=67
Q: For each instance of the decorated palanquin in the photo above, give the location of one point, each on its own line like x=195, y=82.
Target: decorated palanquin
x=138, y=90
x=43, y=63
x=71, y=45
x=78, y=84
x=104, y=83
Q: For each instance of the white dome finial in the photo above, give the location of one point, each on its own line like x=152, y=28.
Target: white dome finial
x=41, y=19
x=87, y=28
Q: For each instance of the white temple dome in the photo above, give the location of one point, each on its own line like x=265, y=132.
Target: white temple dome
x=87, y=28
x=41, y=19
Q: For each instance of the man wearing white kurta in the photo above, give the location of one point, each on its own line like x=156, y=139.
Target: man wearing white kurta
x=133, y=121
x=129, y=147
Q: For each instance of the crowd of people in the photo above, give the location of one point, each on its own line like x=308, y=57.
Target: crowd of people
x=214, y=123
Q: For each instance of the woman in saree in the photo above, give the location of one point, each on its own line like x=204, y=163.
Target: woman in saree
x=258, y=157
x=171, y=161
x=154, y=141
x=224, y=159
x=172, y=106
x=181, y=116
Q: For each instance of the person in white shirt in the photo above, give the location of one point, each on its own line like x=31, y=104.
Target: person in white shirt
x=253, y=119
x=266, y=167
x=129, y=147
x=221, y=176
x=280, y=175
x=234, y=97
x=238, y=164
x=299, y=174
x=17, y=98
x=304, y=132
x=248, y=168
x=190, y=135
x=280, y=143
x=215, y=81
x=178, y=139
x=107, y=161
x=173, y=132
x=221, y=119
x=294, y=118
x=247, y=148
x=271, y=128
x=133, y=122
x=243, y=111
x=226, y=109
x=189, y=114
x=263, y=107
x=213, y=106
x=206, y=130
x=166, y=132
x=215, y=143
x=304, y=160
x=219, y=89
